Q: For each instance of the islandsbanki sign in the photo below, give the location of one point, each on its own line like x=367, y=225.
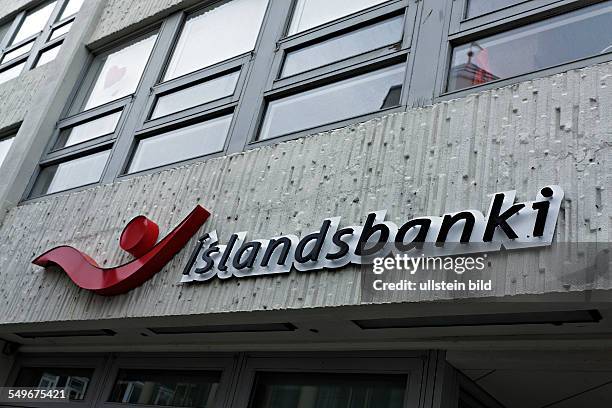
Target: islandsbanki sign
x=506, y=225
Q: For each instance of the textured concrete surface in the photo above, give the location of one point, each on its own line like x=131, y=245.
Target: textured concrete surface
x=119, y=15
x=427, y=161
x=18, y=95
x=8, y=7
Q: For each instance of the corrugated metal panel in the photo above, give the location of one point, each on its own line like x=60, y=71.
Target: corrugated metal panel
x=426, y=161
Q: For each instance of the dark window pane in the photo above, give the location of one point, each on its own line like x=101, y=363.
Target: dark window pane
x=165, y=387
x=181, y=144
x=48, y=55
x=74, y=380
x=17, y=52
x=73, y=173
x=479, y=7
x=88, y=130
x=60, y=31
x=5, y=145
x=120, y=73
x=348, y=45
x=321, y=390
x=576, y=35
x=12, y=72
x=331, y=103
x=311, y=13
x=201, y=45
x=195, y=95
x=34, y=22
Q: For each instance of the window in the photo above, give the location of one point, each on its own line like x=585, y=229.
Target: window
x=321, y=390
x=207, y=91
x=166, y=388
x=181, y=144
x=5, y=145
x=35, y=37
x=71, y=173
x=311, y=13
x=82, y=146
x=75, y=381
x=120, y=73
x=200, y=44
x=480, y=7
x=342, y=71
x=190, y=112
x=287, y=69
x=533, y=47
x=369, y=38
x=345, y=99
x=33, y=23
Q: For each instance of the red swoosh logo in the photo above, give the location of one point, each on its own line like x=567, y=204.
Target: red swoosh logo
x=86, y=273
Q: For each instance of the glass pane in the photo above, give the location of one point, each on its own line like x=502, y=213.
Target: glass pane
x=321, y=390
x=120, y=73
x=165, y=387
x=71, y=8
x=34, y=22
x=181, y=144
x=580, y=34
x=196, y=95
x=331, y=103
x=59, y=31
x=5, y=145
x=17, y=52
x=48, y=55
x=348, y=45
x=74, y=173
x=89, y=130
x=11, y=73
x=3, y=29
x=201, y=45
x=74, y=380
x=479, y=7
x=311, y=13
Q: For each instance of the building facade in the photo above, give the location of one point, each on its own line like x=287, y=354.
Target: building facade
x=274, y=116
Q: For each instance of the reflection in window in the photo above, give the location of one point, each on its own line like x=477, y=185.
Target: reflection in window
x=12, y=72
x=480, y=7
x=120, y=73
x=201, y=45
x=71, y=174
x=342, y=100
x=558, y=40
x=195, y=95
x=348, y=45
x=5, y=145
x=34, y=22
x=71, y=8
x=88, y=130
x=48, y=55
x=320, y=390
x=73, y=380
x=165, y=387
x=311, y=13
x=181, y=144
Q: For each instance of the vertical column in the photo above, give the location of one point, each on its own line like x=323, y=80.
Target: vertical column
x=50, y=99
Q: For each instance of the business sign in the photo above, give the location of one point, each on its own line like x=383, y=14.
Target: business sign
x=506, y=224
x=138, y=238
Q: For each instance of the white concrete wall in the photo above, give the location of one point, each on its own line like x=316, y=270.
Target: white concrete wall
x=428, y=161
